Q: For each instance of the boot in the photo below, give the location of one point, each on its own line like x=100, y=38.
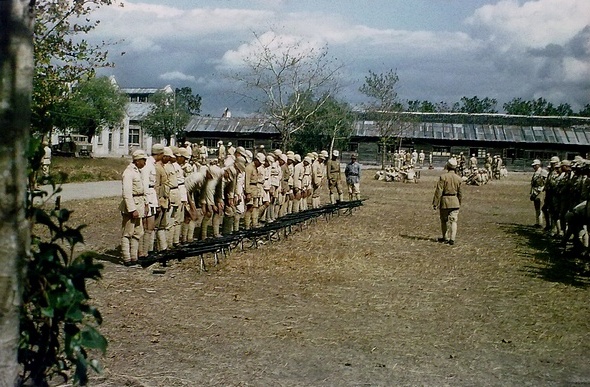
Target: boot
x=332, y=198
x=255, y=215
x=134, y=249
x=204, y=227
x=237, y=222
x=176, y=236
x=190, y=234
x=148, y=240
x=340, y=197
x=184, y=232
x=141, y=250
x=227, y=225
x=248, y=219
x=126, y=249
x=162, y=242
x=217, y=219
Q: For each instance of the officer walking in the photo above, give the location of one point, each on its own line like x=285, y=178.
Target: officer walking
x=447, y=199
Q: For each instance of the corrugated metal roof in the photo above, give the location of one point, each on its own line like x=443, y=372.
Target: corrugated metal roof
x=141, y=90
x=578, y=135
x=230, y=125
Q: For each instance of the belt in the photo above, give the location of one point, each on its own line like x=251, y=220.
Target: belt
x=152, y=186
x=353, y=174
x=180, y=183
x=449, y=194
x=137, y=195
x=174, y=187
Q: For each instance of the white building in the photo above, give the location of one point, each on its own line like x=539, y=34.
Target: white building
x=129, y=135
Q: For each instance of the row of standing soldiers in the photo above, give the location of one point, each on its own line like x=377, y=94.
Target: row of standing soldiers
x=560, y=195
x=493, y=165
x=170, y=197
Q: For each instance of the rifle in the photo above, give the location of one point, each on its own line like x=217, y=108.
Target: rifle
x=269, y=231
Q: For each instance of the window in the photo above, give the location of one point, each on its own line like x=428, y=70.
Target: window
x=480, y=153
x=441, y=151
x=211, y=142
x=121, y=137
x=353, y=147
x=247, y=144
x=133, y=136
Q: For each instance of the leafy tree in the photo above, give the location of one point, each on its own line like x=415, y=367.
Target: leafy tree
x=330, y=127
x=171, y=112
x=385, y=107
x=280, y=74
x=518, y=106
x=585, y=111
x=93, y=104
x=62, y=57
x=421, y=106
x=476, y=105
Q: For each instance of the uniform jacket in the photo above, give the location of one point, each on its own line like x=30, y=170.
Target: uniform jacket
x=447, y=194
x=133, y=191
x=353, y=173
x=251, y=181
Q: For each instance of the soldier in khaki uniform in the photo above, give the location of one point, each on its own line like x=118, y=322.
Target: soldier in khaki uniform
x=318, y=173
x=447, y=199
x=173, y=194
x=133, y=208
x=538, y=189
x=334, y=177
x=252, y=188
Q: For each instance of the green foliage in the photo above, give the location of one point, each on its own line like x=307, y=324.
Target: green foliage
x=58, y=325
x=477, y=105
x=93, y=103
x=61, y=56
x=171, y=113
x=333, y=122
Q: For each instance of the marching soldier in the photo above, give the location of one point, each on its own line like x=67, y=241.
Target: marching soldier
x=221, y=153
x=133, y=208
x=447, y=199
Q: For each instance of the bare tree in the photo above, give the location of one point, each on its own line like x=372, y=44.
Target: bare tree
x=16, y=75
x=282, y=74
x=385, y=108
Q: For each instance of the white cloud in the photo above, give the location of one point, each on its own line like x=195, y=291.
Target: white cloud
x=142, y=44
x=535, y=23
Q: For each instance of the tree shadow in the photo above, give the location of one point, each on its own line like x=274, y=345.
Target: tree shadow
x=113, y=256
x=551, y=261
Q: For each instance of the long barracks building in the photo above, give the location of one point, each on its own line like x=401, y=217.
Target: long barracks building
x=518, y=139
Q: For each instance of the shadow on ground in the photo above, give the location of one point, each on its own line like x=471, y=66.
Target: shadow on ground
x=550, y=261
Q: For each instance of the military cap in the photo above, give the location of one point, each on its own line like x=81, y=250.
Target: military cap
x=353, y=156
x=261, y=157
x=452, y=163
x=168, y=151
x=335, y=153
x=157, y=149
x=323, y=154
x=307, y=159
x=297, y=158
x=241, y=150
x=283, y=157
x=278, y=152
x=567, y=163
x=182, y=152
x=139, y=154
x=290, y=157
x=201, y=142
x=248, y=155
x=270, y=158
x=536, y=162
x=554, y=160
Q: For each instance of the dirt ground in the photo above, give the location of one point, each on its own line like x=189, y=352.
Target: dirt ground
x=364, y=300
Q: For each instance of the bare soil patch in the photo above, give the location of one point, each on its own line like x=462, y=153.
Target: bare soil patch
x=369, y=299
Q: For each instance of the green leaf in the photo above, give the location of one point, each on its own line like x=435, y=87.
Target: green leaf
x=91, y=338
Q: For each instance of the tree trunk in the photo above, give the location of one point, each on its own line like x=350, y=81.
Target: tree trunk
x=16, y=74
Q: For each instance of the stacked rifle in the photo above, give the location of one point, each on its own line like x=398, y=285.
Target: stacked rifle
x=276, y=230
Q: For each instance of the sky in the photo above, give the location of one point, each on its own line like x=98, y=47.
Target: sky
x=441, y=50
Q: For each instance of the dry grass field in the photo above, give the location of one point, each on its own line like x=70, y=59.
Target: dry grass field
x=364, y=300
x=82, y=169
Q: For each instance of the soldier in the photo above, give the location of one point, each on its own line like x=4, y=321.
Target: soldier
x=239, y=199
x=537, y=189
x=203, y=153
x=447, y=199
x=462, y=161
x=549, y=207
x=473, y=162
x=229, y=194
x=306, y=187
x=414, y=157
x=352, y=172
x=133, y=208
x=421, y=158
x=220, y=152
x=231, y=150
x=318, y=172
x=488, y=164
x=148, y=173
x=212, y=201
x=334, y=177
x=162, y=218
x=173, y=194
x=252, y=191
x=298, y=169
